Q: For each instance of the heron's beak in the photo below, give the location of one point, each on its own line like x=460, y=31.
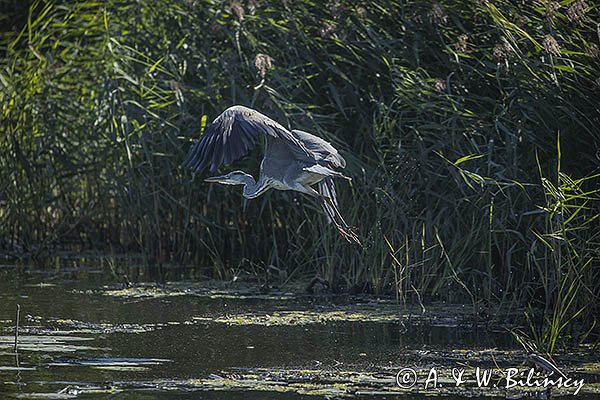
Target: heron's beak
x=215, y=179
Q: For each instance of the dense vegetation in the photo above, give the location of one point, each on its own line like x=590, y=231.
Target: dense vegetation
x=471, y=131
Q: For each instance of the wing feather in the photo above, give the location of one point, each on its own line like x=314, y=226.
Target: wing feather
x=233, y=134
x=324, y=151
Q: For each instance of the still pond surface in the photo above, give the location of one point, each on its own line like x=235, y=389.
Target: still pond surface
x=84, y=336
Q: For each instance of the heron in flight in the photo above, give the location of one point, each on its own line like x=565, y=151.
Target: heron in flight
x=293, y=160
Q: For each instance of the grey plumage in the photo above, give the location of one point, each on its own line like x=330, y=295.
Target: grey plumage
x=293, y=159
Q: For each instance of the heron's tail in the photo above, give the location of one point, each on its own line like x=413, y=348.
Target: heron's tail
x=330, y=205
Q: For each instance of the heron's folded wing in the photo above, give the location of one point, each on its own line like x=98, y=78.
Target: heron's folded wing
x=232, y=135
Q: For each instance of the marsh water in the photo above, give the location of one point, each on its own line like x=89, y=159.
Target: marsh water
x=83, y=334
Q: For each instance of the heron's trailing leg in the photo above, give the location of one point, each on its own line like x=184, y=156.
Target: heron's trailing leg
x=333, y=214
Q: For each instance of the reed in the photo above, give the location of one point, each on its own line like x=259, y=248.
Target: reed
x=447, y=112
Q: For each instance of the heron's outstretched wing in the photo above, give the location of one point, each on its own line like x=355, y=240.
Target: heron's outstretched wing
x=323, y=150
x=233, y=134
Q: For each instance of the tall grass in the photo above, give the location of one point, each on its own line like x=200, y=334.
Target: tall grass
x=447, y=112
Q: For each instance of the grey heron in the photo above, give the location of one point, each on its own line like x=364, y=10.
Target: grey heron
x=293, y=160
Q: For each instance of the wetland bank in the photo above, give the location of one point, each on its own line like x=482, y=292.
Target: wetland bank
x=470, y=131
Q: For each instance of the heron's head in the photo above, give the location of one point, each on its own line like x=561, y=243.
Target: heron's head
x=232, y=178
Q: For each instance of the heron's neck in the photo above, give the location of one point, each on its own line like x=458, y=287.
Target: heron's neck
x=252, y=188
